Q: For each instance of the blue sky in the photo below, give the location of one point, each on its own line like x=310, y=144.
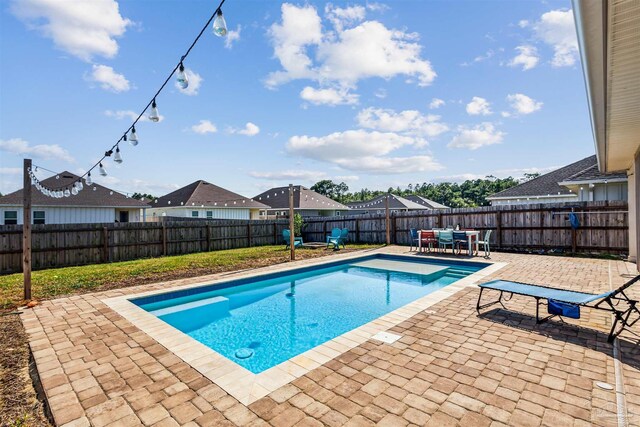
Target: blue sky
x=375, y=94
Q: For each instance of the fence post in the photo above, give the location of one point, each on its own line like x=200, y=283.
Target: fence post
x=394, y=229
x=249, y=234
x=387, y=222
x=164, y=239
x=499, y=228
x=357, y=230
x=26, y=229
x=208, y=238
x=105, y=244
x=275, y=232
x=439, y=218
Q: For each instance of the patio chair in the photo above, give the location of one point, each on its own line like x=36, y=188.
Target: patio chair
x=566, y=303
x=485, y=244
x=340, y=240
x=445, y=238
x=335, y=233
x=460, y=239
x=286, y=236
x=428, y=239
x=413, y=238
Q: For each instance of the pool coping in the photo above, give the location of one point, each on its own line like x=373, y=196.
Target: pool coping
x=248, y=387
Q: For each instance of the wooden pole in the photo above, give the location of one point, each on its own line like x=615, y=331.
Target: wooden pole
x=26, y=229
x=387, y=219
x=292, y=239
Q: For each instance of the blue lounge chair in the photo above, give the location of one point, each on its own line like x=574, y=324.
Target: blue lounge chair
x=413, y=238
x=286, y=236
x=566, y=303
x=445, y=238
x=335, y=234
x=340, y=240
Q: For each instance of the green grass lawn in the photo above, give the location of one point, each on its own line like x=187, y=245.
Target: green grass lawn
x=56, y=282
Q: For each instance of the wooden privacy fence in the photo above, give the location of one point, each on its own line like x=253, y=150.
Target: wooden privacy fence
x=60, y=245
x=604, y=226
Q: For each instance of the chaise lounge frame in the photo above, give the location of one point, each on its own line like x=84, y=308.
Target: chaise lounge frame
x=609, y=301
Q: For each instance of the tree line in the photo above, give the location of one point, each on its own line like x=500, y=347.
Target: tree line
x=470, y=193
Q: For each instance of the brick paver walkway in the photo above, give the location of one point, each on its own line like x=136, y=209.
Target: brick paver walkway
x=451, y=367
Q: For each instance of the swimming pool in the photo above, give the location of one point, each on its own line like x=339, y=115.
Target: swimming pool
x=260, y=322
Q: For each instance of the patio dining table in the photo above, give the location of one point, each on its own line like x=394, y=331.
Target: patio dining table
x=470, y=240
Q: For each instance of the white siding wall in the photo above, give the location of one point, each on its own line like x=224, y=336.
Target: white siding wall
x=68, y=215
x=218, y=213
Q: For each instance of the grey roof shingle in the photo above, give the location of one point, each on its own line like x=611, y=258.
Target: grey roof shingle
x=202, y=193
x=547, y=184
x=303, y=198
x=395, y=202
x=94, y=196
x=593, y=174
x=426, y=202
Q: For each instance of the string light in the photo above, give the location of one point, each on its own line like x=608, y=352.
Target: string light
x=220, y=30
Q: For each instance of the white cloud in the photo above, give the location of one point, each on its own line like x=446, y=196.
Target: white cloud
x=128, y=114
x=328, y=96
x=250, y=129
x=108, y=79
x=522, y=104
x=19, y=146
x=10, y=171
x=478, y=136
x=523, y=23
x=557, y=29
x=293, y=175
x=527, y=57
x=500, y=173
x=204, y=127
x=346, y=55
x=194, y=79
x=478, y=106
x=349, y=144
x=390, y=165
x=408, y=121
x=82, y=28
x=380, y=93
x=505, y=114
x=340, y=17
x=232, y=37
x=436, y=103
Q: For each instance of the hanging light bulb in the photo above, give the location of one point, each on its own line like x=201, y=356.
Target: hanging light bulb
x=133, y=136
x=67, y=193
x=60, y=194
x=74, y=191
x=79, y=185
x=153, y=114
x=102, y=170
x=117, y=157
x=88, y=179
x=219, y=25
x=182, y=77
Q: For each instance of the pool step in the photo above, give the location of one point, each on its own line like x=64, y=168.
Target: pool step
x=452, y=272
x=218, y=303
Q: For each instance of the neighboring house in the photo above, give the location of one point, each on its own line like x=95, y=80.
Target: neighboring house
x=577, y=182
x=305, y=202
x=94, y=204
x=204, y=200
x=377, y=205
x=429, y=204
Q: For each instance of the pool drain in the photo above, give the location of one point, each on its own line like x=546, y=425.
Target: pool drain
x=244, y=353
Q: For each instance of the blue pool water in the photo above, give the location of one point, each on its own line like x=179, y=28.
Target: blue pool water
x=263, y=321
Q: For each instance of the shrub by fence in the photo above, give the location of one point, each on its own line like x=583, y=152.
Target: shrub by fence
x=603, y=228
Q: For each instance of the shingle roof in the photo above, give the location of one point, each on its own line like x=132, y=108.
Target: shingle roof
x=547, y=184
x=202, y=193
x=303, y=198
x=395, y=202
x=94, y=196
x=593, y=174
x=426, y=202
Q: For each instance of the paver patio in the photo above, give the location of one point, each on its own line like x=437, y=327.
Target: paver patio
x=451, y=367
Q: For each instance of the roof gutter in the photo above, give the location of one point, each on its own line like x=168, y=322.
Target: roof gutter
x=591, y=27
x=548, y=196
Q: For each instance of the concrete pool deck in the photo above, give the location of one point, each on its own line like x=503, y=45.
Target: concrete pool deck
x=450, y=366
